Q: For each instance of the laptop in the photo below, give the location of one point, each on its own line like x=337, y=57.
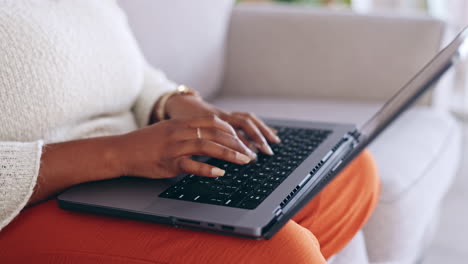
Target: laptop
x=257, y=199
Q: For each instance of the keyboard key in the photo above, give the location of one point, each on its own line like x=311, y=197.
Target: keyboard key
x=255, y=197
x=262, y=191
x=199, y=199
x=236, y=199
x=239, y=181
x=216, y=200
x=217, y=188
x=223, y=194
x=256, y=180
x=244, y=175
x=229, y=175
x=281, y=174
x=250, y=186
x=250, y=203
x=231, y=188
x=276, y=179
x=225, y=181
x=269, y=185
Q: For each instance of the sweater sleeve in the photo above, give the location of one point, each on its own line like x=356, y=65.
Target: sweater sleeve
x=154, y=85
x=19, y=168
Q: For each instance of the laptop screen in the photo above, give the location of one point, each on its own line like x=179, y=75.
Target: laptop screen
x=417, y=86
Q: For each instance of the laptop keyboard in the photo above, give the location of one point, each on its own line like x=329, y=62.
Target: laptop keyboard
x=246, y=186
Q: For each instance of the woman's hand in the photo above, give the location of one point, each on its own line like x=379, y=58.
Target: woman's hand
x=163, y=150
x=159, y=151
x=249, y=128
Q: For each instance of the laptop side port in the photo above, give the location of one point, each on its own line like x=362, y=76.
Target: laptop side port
x=227, y=228
x=186, y=221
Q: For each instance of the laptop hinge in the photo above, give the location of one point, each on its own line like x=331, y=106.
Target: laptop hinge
x=356, y=135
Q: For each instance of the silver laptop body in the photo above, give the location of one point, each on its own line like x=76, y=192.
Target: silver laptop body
x=139, y=198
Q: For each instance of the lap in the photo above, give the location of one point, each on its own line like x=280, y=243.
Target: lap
x=48, y=234
x=344, y=206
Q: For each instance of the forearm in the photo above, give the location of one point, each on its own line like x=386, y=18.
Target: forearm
x=73, y=162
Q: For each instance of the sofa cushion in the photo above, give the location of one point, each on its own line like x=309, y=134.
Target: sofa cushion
x=403, y=152
x=183, y=38
x=409, y=149
x=354, y=252
x=296, y=52
x=403, y=222
x=306, y=109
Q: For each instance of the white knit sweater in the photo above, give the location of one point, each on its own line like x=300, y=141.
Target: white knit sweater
x=69, y=69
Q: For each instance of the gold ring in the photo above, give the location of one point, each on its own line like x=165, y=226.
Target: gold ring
x=199, y=133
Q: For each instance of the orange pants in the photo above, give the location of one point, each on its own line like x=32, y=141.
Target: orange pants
x=47, y=234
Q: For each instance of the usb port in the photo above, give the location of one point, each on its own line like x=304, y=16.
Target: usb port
x=227, y=228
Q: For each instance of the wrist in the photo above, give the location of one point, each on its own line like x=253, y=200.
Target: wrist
x=115, y=156
x=161, y=110
x=179, y=101
x=69, y=163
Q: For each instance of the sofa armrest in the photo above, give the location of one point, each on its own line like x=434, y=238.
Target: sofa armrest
x=286, y=51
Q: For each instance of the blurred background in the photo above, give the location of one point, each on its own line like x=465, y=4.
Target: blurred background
x=453, y=12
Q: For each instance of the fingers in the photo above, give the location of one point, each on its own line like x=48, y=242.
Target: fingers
x=215, y=135
x=212, y=121
x=268, y=132
x=244, y=140
x=208, y=148
x=189, y=166
x=251, y=130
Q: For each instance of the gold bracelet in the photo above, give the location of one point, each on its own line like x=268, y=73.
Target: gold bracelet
x=181, y=89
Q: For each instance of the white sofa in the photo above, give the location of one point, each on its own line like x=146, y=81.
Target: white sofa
x=302, y=63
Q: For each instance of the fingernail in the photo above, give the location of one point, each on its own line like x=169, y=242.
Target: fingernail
x=277, y=139
x=252, y=154
x=217, y=172
x=267, y=149
x=242, y=158
x=254, y=151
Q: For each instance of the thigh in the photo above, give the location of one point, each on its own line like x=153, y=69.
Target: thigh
x=47, y=234
x=344, y=206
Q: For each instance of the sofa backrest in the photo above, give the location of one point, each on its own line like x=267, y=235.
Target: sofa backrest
x=185, y=39
x=285, y=51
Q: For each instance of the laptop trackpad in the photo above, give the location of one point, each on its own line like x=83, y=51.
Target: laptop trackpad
x=125, y=193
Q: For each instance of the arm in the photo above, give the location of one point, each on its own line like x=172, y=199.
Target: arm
x=70, y=163
x=158, y=151
x=161, y=150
